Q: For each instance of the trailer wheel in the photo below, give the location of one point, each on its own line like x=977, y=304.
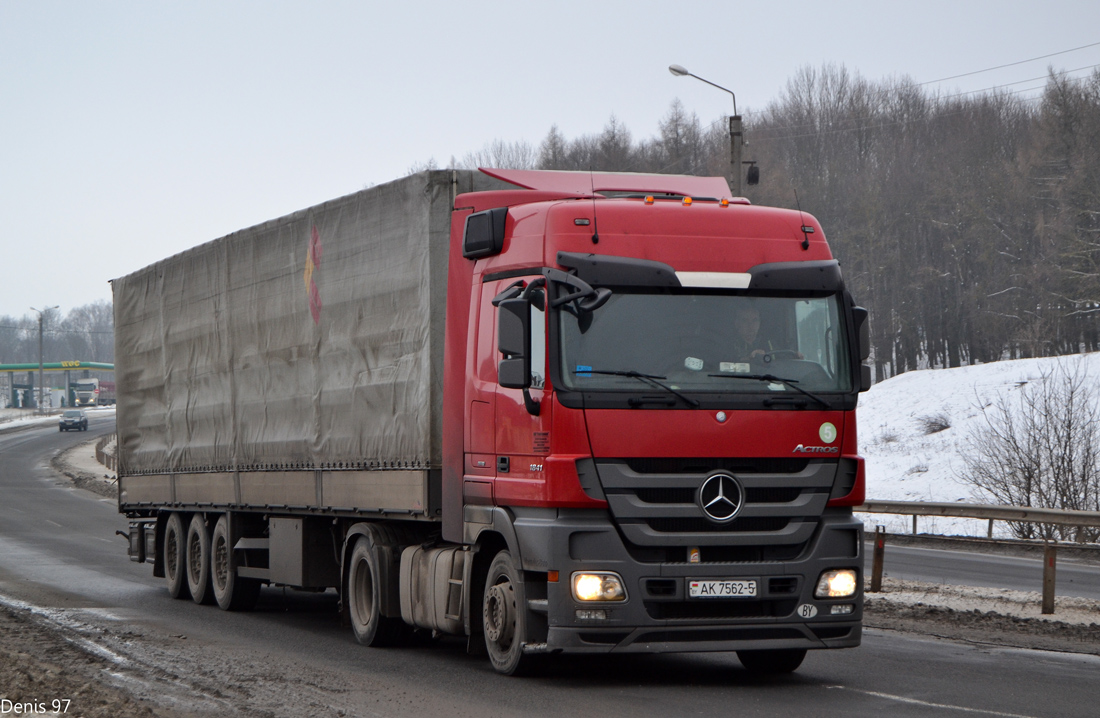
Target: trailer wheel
x=198, y=561
x=232, y=592
x=779, y=660
x=174, y=554
x=504, y=616
x=364, y=598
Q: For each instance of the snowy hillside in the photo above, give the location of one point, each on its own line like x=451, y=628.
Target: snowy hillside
x=905, y=463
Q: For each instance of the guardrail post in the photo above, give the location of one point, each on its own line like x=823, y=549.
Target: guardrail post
x=914, y=524
x=876, y=562
x=1050, y=560
x=990, y=533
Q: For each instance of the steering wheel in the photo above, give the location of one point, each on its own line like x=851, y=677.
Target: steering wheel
x=771, y=356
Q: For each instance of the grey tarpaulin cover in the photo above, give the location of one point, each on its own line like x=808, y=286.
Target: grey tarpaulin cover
x=311, y=341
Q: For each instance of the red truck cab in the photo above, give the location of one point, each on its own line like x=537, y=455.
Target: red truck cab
x=649, y=410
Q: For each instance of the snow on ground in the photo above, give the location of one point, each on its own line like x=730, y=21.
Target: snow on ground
x=13, y=418
x=904, y=463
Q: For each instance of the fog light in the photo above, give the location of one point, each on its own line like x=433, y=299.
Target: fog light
x=840, y=583
x=591, y=614
x=843, y=609
x=598, y=587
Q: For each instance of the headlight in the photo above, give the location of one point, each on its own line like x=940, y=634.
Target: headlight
x=598, y=587
x=840, y=583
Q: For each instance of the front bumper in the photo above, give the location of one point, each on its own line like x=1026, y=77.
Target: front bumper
x=658, y=617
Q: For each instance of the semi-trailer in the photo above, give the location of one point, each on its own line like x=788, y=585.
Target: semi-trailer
x=551, y=412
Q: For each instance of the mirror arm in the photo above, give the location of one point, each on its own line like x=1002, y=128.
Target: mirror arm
x=529, y=403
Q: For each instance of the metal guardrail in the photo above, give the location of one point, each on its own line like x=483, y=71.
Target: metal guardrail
x=108, y=460
x=1061, y=517
x=990, y=512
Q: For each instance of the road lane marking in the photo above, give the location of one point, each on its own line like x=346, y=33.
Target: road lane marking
x=54, y=523
x=928, y=704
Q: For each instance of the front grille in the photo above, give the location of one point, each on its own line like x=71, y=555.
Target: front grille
x=746, y=633
x=715, y=609
x=707, y=465
x=690, y=525
x=764, y=495
x=654, y=503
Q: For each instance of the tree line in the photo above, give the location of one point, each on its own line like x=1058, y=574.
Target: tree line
x=968, y=224
x=85, y=333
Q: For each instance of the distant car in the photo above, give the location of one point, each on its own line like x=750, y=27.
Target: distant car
x=73, y=419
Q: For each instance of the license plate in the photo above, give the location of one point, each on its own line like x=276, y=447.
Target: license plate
x=722, y=588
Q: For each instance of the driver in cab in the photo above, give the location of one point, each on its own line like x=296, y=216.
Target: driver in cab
x=747, y=345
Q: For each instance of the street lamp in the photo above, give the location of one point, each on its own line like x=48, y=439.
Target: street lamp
x=735, y=128
x=41, y=394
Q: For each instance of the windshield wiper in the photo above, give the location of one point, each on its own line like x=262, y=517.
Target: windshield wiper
x=792, y=383
x=651, y=379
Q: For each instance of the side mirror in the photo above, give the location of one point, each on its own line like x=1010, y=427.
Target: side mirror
x=514, y=342
x=484, y=233
x=860, y=315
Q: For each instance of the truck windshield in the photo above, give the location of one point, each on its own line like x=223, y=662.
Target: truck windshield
x=702, y=342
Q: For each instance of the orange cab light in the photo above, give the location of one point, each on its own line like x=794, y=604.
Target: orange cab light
x=552, y=576
x=687, y=201
x=649, y=199
x=725, y=202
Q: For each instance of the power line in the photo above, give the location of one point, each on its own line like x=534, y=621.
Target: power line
x=1011, y=64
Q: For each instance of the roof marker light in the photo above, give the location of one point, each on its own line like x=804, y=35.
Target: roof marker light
x=687, y=201
x=649, y=199
x=581, y=222
x=724, y=202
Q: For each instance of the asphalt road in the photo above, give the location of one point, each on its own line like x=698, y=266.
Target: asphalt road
x=59, y=554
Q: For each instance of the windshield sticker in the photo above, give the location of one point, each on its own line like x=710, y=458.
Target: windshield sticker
x=693, y=363
x=776, y=387
x=734, y=367
x=584, y=371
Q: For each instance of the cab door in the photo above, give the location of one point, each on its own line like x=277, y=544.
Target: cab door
x=521, y=438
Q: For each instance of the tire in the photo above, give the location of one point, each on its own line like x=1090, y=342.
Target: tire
x=231, y=592
x=198, y=561
x=504, y=616
x=781, y=660
x=175, y=557
x=365, y=588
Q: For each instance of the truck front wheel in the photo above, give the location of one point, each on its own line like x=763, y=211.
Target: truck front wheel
x=232, y=592
x=198, y=561
x=175, y=552
x=504, y=615
x=364, y=598
x=776, y=660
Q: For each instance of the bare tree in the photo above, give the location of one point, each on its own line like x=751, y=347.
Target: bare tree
x=1041, y=448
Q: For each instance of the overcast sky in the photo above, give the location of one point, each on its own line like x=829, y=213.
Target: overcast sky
x=130, y=131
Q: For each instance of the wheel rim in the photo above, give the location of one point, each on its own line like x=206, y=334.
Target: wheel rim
x=221, y=563
x=194, y=556
x=363, y=600
x=171, y=553
x=500, y=615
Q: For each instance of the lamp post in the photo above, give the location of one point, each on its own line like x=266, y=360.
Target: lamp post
x=735, y=128
x=41, y=386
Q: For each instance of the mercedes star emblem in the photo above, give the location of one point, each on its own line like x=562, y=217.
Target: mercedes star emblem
x=720, y=498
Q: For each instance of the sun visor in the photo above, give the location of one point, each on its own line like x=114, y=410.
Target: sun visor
x=604, y=270
x=817, y=276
